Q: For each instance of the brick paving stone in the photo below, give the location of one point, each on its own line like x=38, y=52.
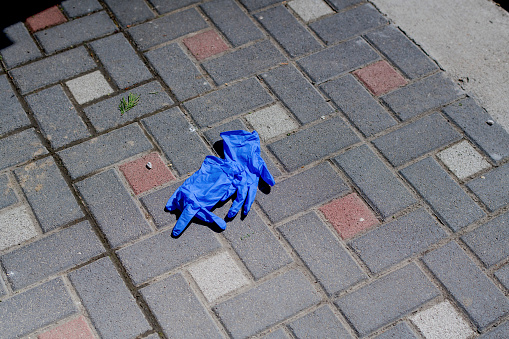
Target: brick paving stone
x=205, y=44
x=322, y=323
x=7, y=195
x=104, y=150
x=302, y=191
x=116, y=214
x=322, y=253
x=235, y=25
x=422, y=96
x=387, y=299
x=13, y=115
x=402, y=145
x=358, y=105
x=130, y=12
x=22, y=49
x=49, y=17
x=342, y=4
x=491, y=188
x=272, y=301
x=498, y=332
x=347, y=56
x=155, y=204
x=253, y=5
x=397, y=240
x=161, y=253
x=178, y=310
x=104, y=294
x=502, y=275
x=451, y=204
x=76, y=31
x=3, y=289
x=164, y=6
x=75, y=8
x=271, y=121
x=277, y=334
x=76, y=328
x=402, y=52
x=310, y=9
x=89, y=87
x=35, y=308
x=469, y=286
x=296, y=150
x=492, y=139
x=57, y=117
x=288, y=32
x=20, y=147
x=52, y=69
x=380, y=77
x=56, y=253
x=229, y=101
x=243, y=62
x=167, y=28
x=178, y=71
x=16, y=226
x=400, y=331
x=463, y=160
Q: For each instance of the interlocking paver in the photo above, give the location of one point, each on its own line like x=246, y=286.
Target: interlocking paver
x=253, y=5
x=502, y=275
x=76, y=328
x=271, y=121
x=205, y=44
x=310, y=9
x=277, y=334
x=491, y=187
x=164, y=6
x=20, y=147
x=342, y=4
x=23, y=47
x=89, y=87
x=155, y=203
x=130, y=12
x=7, y=195
x=16, y=226
x=380, y=77
x=13, y=115
x=49, y=17
x=400, y=331
x=498, y=332
x=463, y=160
x=322, y=323
x=75, y=8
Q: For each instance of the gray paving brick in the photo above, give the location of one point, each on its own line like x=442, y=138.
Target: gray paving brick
x=104, y=150
x=402, y=145
x=164, y=6
x=451, y=204
x=253, y=5
x=328, y=137
x=113, y=209
x=120, y=60
x=342, y=4
x=492, y=139
x=153, y=336
x=19, y=148
x=22, y=49
x=277, y=334
x=302, y=191
x=167, y=28
x=178, y=310
x=13, y=115
x=178, y=71
x=75, y=31
x=358, y=105
x=342, y=58
x=402, y=52
x=57, y=117
x=35, y=308
x=492, y=189
x=476, y=294
x=75, y=8
x=130, y=12
x=499, y=332
x=52, y=69
x=322, y=253
x=272, y=302
x=161, y=253
x=155, y=204
x=110, y=305
x=502, y=275
x=3, y=289
x=387, y=299
x=422, y=96
x=229, y=101
x=400, y=331
x=7, y=196
x=322, y=323
x=232, y=21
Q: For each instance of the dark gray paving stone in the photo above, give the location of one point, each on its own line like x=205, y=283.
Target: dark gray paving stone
x=104, y=150
x=13, y=115
x=498, y=332
x=178, y=140
x=253, y=5
x=178, y=310
x=314, y=143
x=402, y=52
x=271, y=301
x=322, y=253
x=342, y=4
x=322, y=323
x=167, y=28
x=75, y=8
x=155, y=204
x=277, y=334
x=387, y=299
x=400, y=331
x=469, y=286
x=7, y=195
x=75, y=31
x=235, y=25
x=130, y=12
x=227, y=102
x=161, y=253
x=492, y=139
x=164, y=6
x=403, y=145
x=451, y=204
x=502, y=275
x=53, y=254
x=120, y=60
x=52, y=69
x=492, y=189
x=20, y=147
x=3, y=289
x=302, y=191
x=22, y=49
x=422, y=96
x=115, y=212
x=358, y=105
x=57, y=116
x=109, y=303
x=338, y=59
x=178, y=71
x=397, y=240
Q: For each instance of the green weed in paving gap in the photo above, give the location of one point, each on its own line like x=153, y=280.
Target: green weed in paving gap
x=132, y=100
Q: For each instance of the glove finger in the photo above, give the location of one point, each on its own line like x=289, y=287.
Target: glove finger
x=220, y=222
x=238, y=202
x=251, y=195
x=187, y=214
x=265, y=174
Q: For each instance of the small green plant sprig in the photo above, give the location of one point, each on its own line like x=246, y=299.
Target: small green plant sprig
x=132, y=100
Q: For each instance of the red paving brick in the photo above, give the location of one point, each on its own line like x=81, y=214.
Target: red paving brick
x=49, y=17
x=74, y=329
x=142, y=179
x=205, y=44
x=380, y=77
x=349, y=215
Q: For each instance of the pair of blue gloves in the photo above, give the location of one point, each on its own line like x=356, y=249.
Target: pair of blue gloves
x=218, y=179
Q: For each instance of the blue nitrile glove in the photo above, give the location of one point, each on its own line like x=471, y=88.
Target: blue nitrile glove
x=244, y=148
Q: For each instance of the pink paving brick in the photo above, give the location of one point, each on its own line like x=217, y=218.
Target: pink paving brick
x=74, y=329
x=142, y=179
x=380, y=77
x=205, y=44
x=349, y=215
x=49, y=17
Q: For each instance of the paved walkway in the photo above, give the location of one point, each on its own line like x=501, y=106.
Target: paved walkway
x=390, y=213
